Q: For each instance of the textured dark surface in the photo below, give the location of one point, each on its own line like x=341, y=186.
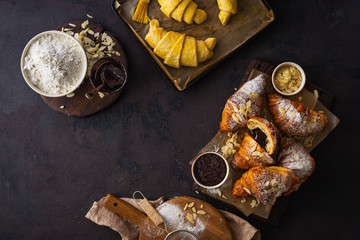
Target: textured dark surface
x=52, y=167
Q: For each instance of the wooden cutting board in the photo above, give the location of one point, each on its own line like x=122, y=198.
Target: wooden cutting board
x=79, y=105
x=214, y=226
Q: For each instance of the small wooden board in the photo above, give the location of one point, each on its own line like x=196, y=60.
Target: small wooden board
x=279, y=208
x=216, y=226
x=79, y=105
x=213, y=225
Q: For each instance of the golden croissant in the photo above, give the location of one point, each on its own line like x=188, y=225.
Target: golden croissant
x=227, y=9
x=244, y=104
x=266, y=183
x=295, y=118
x=257, y=146
x=177, y=49
x=294, y=156
x=183, y=10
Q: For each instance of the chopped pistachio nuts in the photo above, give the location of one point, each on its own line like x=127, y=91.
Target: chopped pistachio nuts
x=193, y=209
x=223, y=196
x=243, y=200
x=201, y=206
x=72, y=25
x=89, y=16
x=91, y=32
x=201, y=212
x=219, y=192
x=117, y=53
x=191, y=205
x=235, y=89
x=300, y=99
x=71, y=33
x=197, y=192
x=62, y=106
x=186, y=206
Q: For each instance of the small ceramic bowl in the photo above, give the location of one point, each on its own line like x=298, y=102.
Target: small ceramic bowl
x=95, y=78
x=303, y=78
x=82, y=67
x=214, y=186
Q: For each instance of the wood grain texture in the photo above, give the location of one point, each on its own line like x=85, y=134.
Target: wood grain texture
x=79, y=105
x=216, y=226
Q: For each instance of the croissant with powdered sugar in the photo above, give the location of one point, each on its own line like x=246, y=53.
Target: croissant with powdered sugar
x=294, y=156
x=257, y=145
x=244, y=104
x=266, y=183
x=295, y=118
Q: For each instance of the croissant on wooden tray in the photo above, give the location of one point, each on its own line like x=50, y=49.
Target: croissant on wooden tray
x=294, y=156
x=257, y=146
x=295, y=118
x=183, y=10
x=178, y=49
x=227, y=9
x=250, y=154
x=246, y=103
x=266, y=183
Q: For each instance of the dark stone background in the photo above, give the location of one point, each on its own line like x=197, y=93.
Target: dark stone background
x=52, y=167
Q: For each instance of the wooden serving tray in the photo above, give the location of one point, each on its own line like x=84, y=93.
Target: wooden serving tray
x=79, y=105
x=277, y=209
x=215, y=225
x=252, y=17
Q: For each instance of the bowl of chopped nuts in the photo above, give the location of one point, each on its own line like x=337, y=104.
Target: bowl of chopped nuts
x=288, y=78
x=53, y=63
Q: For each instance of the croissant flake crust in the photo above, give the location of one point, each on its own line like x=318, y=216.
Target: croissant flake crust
x=294, y=156
x=250, y=154
x=247, y=102
x=294, y=118
x=266, y=183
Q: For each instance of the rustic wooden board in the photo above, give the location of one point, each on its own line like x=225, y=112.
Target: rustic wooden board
x=216, y=226
x=279, y=208
x=79, y=105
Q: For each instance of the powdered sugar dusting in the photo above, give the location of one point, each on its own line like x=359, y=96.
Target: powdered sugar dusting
x=175, y=219
x=256, y=85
